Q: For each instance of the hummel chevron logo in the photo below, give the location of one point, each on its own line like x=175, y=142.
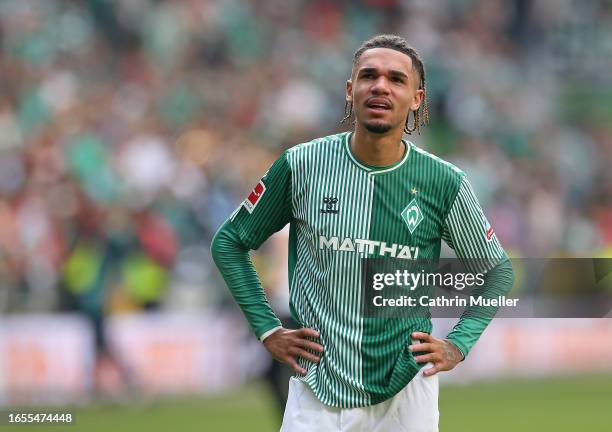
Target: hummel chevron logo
x=330, y=205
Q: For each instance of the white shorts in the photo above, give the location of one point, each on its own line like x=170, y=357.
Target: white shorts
x=414, y=409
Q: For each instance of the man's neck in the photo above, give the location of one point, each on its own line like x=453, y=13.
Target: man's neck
x=377, y=150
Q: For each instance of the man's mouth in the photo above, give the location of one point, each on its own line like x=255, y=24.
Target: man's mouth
x=378, y=105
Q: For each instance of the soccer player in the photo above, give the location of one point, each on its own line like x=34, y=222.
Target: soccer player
x=364, y=193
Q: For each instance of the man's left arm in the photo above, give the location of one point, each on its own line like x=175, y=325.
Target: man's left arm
x=467, y=231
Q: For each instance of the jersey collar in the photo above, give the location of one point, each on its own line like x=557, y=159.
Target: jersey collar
x=375, y=169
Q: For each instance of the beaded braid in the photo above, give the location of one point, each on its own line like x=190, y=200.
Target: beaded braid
x=348, y=111
x=423, y=111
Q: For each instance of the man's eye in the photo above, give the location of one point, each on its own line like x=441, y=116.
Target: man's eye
x=397, y=80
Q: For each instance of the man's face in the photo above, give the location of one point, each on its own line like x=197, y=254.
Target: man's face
x=383, y=89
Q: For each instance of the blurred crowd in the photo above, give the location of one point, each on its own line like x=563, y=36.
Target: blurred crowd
x=130, y=129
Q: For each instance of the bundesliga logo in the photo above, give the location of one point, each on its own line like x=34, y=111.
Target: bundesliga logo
x=254, y=196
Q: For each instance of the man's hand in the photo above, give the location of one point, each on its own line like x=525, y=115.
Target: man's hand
x=442, y=353
x=285, y=345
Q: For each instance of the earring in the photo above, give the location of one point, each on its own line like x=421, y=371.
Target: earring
x=415, y=125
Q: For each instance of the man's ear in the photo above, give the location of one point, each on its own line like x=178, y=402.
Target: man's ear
x=417, y=100
x=349, y=91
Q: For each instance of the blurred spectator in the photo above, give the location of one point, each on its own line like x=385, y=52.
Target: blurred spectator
x=129, y=130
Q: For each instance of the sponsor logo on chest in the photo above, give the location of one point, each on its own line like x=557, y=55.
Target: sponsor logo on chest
x=368, y=247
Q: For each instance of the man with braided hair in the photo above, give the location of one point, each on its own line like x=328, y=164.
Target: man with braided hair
x=421, y=113
x=362, y=194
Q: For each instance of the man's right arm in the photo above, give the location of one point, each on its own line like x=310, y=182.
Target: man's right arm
x=265, y=211
x=232, y=258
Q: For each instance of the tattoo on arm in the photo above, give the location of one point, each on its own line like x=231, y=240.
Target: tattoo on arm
x=450, y=353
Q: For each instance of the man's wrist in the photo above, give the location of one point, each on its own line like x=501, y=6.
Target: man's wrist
x=461, y=352
x=269, y=332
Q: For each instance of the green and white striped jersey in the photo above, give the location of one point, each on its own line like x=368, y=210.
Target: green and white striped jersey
x=340, y=211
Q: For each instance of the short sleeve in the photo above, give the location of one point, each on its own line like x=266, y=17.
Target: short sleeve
x=267, y=208
x=468, y=232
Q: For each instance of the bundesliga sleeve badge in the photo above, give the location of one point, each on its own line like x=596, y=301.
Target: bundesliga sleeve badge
x=489, y=233
x=251, y=201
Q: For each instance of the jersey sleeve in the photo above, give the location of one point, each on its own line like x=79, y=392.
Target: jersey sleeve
x=267, y=208
x=235, y=265
x=468, y=232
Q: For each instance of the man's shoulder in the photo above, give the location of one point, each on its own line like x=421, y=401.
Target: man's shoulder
x=317, y=145
x=439, y=166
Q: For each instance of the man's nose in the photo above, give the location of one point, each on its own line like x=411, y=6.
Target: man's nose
x=381, y=85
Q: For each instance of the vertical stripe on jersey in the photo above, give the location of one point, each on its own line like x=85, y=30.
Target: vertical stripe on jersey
x=318, y=292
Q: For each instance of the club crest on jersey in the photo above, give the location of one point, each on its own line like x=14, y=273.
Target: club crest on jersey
x=412, y=215
x=251, y=201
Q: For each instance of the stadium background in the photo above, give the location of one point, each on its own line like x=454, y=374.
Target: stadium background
x=130, y=129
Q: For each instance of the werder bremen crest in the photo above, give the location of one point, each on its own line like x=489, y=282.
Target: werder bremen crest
x=412, y=215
